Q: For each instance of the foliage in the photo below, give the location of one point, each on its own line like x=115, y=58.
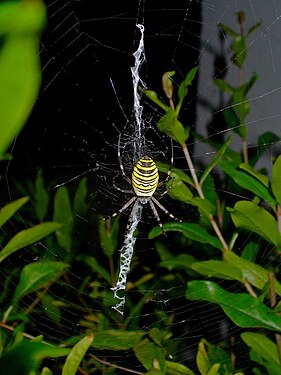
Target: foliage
x=225, y=244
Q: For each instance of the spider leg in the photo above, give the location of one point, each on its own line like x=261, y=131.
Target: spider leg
x=126, y=205
x=166, y=191
x=119, y=189
x=157, y=216
x=120, y=161
x=164, y=209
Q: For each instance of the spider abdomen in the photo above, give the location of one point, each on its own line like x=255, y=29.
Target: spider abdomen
x=145, y=177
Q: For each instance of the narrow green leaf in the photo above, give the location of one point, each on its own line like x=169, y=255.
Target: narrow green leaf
x=172, y=127
x=46, y=371
x=20, y=74
x=117, y=339
x=215, y=159
x=253, y=28
x=95, y=266
x=28, y=237
x=109, y=236
x=240, y=50
x=52, y=311
x=152, y=95
x=248, y=182
x=227, y=30
x=206, y=207
x=9, y=209
x=209, y=190
x=224, y=86
x=202, y=359
x=179, y=261
x=176, y=173
x=41, y=197
x=178, y=369
x=79, y=203
x=37, y=275
x=182, y=91
x=248, y=215
x=244, y=310
x=76, y=355
x=276, y=179
x=167, y=84
x=263, y=346
x=259, y=176
x=189, y=230
x=219, y=269
x=150, y=355
x=63, y=214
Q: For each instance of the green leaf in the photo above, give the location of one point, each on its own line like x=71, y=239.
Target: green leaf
x=28, y=237
x=79, y=203
x=177, y=368
x=244, y=310
x=9, y=209
x=209, y=190
x=117, y=339
x=63, y=214
x=202, y=360
x=215, y=160
x=259, y=176
x=240, y=50
x=76, y=355
x=224, y=86
x=227, y=30
x=46, y=371
x=41, y=197
x=108, y=236
x=179, y=261
x=37, y=275
x=182, y=91
x=263, y=346
x=189, y=230
x=271, y=367
x=276, y=179
x=150, y=355
x=248, y=215
x=94, y=265
x=248, y=182
x=20, y=74
x=176, y=173
x=206, y=207
x=172, y=127
x=167, y=84
x=179, y=191
x=152, y=95
x=52, y=311
x=26, y=357
x=231, y=119
x=219, y=269
x=253, y=28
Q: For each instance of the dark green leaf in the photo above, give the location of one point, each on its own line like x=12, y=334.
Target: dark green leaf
x=52, y=311
x=117, y=339
x=206, y=207
x=243, y=309
x=259, y=176
x=28, y=237
x=276, y=179
x=20, y=25
x=182, y=91
x=248, y=215
x=250, y=251
x=37, y=275
x=9, y=209
x=167, y=84
x=179, y=261
x=231, y=119
x=154, y=98
x=76, y=355
x=189, y=230
x=150, y=355
x=162, y=250
x=108, y=234
x=172, y=127
x=63, y=214
x=79, y=203
x=95, y=266
x=219, y=269
x=209, y=190
x=41, y=197
x=179, y=191
x=162, y=167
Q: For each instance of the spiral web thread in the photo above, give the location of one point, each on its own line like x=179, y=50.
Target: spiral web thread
x=127, y=250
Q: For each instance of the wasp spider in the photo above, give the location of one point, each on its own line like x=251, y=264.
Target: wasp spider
x=144, y=181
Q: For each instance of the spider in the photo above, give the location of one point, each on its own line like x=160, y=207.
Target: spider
x=144, y=182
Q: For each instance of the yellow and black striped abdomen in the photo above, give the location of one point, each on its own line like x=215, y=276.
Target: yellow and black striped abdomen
x=145, y=177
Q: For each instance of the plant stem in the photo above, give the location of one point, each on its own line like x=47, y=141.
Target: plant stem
x=201, y=195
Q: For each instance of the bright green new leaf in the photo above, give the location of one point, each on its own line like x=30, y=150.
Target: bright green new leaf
x=219, y=154
x=152, y=95
x=20, y=74
x=41, y=197
x=263, y=346
x=63, y=214
x=172, y=127
x=248, y=182
x=259, y=176
x=167, y=84
x=117, y=339
x=76, y=355
x=10, y=209
x=95, y=266
x=244, y=310
x=276, y=179
x=250, y=216
x=239, y=48
x=46, y=371
x=28, y=237
x=202, y=360
x=192, y=231
x=224, y=86
x=37, y=275
x=150, y=355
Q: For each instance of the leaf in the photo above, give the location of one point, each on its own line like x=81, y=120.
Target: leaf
x=79, y=202
x=182, y=91
x=63, y=214
x=109, y=236
x=244, y=310
x=189, y=230
x=52, y=311
x=177, y=173
x=117, y=339
x=150, y=355
x=28, y=237
x=253, y=28
x=46, y=371
x=95, y=266
x=259, y=176
x=276, y=179
x=248, y=215
x=41, y=197
x=240, y=50
x=76, y=355
x=37, y=275
x=247, y=182
x=227, y=30
x=179, y=261
x=20, y=26
x=179, y=191
x=224, y=86
x=167, y=84
x=219, y=154
x=152, y=95
x=172, y=127
x=263, y=346
x=219, y=269
x=177, y=368
x=9, y=209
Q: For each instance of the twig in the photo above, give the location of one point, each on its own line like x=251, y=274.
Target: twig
x=250, y=290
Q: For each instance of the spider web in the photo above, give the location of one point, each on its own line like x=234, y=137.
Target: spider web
x=86, y=102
